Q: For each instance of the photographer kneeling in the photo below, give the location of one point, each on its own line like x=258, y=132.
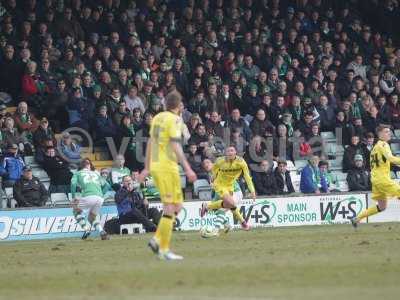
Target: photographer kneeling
x=134, y=208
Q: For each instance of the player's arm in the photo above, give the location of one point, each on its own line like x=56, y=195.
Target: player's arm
x=215, y=169
x=74, y=186
x=174, y=128
x=248, y=179
x=180, y=155
x=387, y=153
x=145, y=172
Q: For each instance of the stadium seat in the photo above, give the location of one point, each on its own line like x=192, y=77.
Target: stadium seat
x=343, y=186
x=59, y=199
x=200, y=183
x=30, y=161
x=41, y=174
x=300, y=164
x=295, y=180
x=335, y=165
x=89, y=155
x=397, y=133
x=290, y=165
x=340, y=176
x=100, y=164
x=11, y=109
x=328, y=136
x=395, y=148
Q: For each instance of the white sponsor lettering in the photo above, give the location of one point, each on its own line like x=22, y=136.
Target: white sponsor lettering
x=6, y=226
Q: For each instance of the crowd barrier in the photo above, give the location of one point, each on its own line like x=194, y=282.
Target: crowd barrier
x=46, y=223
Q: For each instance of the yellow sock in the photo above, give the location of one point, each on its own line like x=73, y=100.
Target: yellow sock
x=165, y=232
x=215, y=205
x=368, y=212
x=157, y=234
x=237, y=215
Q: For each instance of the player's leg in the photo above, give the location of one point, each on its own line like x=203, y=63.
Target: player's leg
x=94, y=215
x=78, y=207
x=379, y=194
x=217, y=203
x=171, y=195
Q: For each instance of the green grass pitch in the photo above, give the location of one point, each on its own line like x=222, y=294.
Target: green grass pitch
x=316, y=262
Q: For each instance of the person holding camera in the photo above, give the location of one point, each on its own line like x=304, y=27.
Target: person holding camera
x=134, y=208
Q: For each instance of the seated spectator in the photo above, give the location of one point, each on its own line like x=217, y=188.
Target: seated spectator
x=305, y=149
x=11, y=136
x=260, y=125
x=69, y=150
x=58, y=171
x=200, y=138
x=133, y=208
x=28, y=191
x=118, y=171
x=213, y=125
x=33, y=87
x=358, y=178
x=120, y=112
x=235, y=121
x=44, y=132
x=25, y=122
x=107, y=187
x=11, y=168
x=41, y=150
x=194, y=159
x=80, y=110
x=133, y=101
x=325, y=182
x=283, y=179
x=350, y=152
x=310, y=180
x=104, y=126
x=264, y=180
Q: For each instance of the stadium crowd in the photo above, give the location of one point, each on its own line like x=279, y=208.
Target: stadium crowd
x=267, y=76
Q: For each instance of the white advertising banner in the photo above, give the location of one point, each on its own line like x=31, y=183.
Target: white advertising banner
x=289, y=211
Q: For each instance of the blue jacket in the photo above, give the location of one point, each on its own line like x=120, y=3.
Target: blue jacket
x=127, y=201
x=72, y=152
x=307, y=182
x=12, y=166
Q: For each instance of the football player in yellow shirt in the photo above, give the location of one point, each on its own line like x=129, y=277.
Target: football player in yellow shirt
x=226, y=171
x=163, y=153
x=383, y=187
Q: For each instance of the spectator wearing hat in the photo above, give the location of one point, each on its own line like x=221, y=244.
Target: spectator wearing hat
x=28, y=191
x=44, y=132
x=264, y=180
x=358, y=178
x=283, y=179
x=58, y=170
x=12, y=165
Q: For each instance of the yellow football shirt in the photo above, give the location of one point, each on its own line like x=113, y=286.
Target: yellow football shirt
x=380, y=159
x=226, y=172
x=165, y=127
